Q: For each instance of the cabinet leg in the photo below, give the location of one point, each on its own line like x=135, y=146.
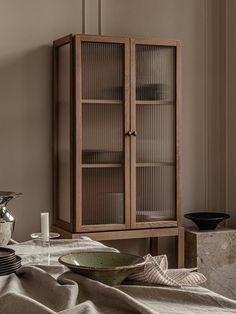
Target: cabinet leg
x=154, y=246
x=180, y=247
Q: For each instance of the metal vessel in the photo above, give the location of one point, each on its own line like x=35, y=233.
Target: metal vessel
x=7, y=220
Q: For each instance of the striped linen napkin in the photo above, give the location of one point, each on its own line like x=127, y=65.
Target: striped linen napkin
x=156, y=271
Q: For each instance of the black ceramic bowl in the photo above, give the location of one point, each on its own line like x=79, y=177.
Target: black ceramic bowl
x=207, y=220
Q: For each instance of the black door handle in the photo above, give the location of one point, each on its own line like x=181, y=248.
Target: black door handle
x=129, y=133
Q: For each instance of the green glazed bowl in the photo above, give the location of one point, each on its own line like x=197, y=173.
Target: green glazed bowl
x=110, y=268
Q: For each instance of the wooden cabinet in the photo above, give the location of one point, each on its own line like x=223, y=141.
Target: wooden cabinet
x=117, y=137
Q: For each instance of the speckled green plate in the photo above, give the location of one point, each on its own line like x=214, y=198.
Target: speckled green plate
x=110, y=268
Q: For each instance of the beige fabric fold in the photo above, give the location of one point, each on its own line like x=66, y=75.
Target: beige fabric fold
x=156, y=271
x=48, y=289
x=34, y=291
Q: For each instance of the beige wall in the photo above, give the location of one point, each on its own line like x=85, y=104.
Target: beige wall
x=27, y=29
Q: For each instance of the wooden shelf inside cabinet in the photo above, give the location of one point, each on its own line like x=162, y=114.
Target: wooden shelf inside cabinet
x=102, y=101
x=101, y=165
x=154, y=164
x=155, y=102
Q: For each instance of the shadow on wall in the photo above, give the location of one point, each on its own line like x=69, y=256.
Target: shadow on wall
x=25, y=134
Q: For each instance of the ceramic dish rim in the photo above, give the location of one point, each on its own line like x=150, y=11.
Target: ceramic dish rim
x=10, y=251
x=12, y=264
x=9, y=259
x=91, y=268
x=189, y=216
x=10, y=269
x=6, y=273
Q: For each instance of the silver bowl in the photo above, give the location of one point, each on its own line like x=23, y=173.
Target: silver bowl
x=7, y=220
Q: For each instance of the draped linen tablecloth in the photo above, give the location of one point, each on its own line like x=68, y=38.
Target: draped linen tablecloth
x=51, y=288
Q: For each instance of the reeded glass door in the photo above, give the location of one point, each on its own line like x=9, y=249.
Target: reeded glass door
x=104, y=149
x=63, y=150
x=153, y=149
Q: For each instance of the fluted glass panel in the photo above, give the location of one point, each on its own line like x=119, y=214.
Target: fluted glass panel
x=102, y=70
x=102, y=133
x=155, y=72
x=155, y=193
x=102, y=196
x=64, y=132
x=155, y=133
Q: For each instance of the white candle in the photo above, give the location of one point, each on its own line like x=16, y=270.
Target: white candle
x=45, y=225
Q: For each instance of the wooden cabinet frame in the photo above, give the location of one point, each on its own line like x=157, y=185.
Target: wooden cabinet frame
x=68, y=40
x=131, y=228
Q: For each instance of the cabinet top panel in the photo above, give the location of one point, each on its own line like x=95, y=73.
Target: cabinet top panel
x=118, y=39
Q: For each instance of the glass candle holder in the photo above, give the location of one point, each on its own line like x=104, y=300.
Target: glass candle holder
x=38, y=235
x=43, y=244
